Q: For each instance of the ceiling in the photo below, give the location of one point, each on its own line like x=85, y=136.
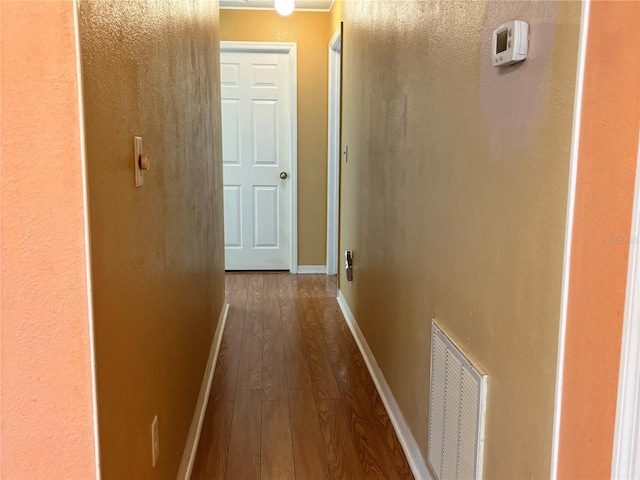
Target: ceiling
x=322, y=5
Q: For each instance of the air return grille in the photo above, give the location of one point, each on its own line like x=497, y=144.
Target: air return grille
x=456, y=411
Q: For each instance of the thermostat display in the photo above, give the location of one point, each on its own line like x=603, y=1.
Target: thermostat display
x=510, y=43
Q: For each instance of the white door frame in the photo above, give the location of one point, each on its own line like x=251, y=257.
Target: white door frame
x=291, y=50
x=333, y=153
x=568, y=236
x=626, y=441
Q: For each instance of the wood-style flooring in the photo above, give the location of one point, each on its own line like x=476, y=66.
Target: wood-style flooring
x=292, y=397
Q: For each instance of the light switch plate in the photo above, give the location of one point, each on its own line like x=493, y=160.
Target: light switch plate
x=155, y=441
x=137, y=152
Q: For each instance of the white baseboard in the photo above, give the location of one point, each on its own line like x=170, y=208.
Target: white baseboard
x=302, y=269
x=409, y=445
x=191, y=447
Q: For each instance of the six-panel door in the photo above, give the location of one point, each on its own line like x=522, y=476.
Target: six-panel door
x=256, y=151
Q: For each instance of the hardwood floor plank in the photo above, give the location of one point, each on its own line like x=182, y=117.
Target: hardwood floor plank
x=245, y=442
x=320, y=368
x=354, y=377
x=342, y=455
x=223, y=388
x=345, y=369
x=318, y=284
x=360, y=382
x=334, y=419
x=211, y=458
x=228, y=287
x=250, y=367
x=286, y=299
x=347, y=361
x=277, y=448
x=295, y=355
x=332, y=286
x=378, y=447
x=372, y=462
x=237, y=301
x=308, y=446
x=274, y=370
x=271, y=301
x=255, y=306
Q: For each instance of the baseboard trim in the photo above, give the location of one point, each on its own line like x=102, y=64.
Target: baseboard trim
x=307, y=269
x=191, y=447
x=408, y=443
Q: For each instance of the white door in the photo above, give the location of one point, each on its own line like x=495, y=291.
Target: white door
x=257, y=159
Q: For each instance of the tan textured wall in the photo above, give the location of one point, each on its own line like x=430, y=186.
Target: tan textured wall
x=310, y=30
x=151, y=69
x=47, y=428
x=335, y=16
x=454, y=201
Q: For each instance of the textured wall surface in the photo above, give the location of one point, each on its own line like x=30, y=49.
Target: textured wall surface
x=454, y=201
x=335, y=16
x=310, y=30
x=151, y=69
x=46, y=409
x=600, y=251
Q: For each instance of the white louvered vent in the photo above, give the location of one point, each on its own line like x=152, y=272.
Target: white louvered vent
x=456, y=411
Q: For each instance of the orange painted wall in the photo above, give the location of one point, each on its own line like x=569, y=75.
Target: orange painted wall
x=47, y=413
x=604, y=199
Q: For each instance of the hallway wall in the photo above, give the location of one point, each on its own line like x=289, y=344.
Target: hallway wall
x=310, y=30
x=454, y=202
x=151, y=69
x=47, y=428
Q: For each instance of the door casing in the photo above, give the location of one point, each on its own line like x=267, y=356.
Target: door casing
x=626, y=440
x=333, y=152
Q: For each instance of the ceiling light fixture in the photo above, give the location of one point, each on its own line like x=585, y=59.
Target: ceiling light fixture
x=284, y=7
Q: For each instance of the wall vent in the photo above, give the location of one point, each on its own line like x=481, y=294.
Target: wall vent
x=456, y=411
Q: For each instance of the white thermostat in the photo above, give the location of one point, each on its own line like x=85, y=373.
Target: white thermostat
x=510, y=43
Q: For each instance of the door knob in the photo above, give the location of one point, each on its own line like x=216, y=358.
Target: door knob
x=283, y=175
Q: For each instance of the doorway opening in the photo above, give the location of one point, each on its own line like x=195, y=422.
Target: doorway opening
x=333, y=164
